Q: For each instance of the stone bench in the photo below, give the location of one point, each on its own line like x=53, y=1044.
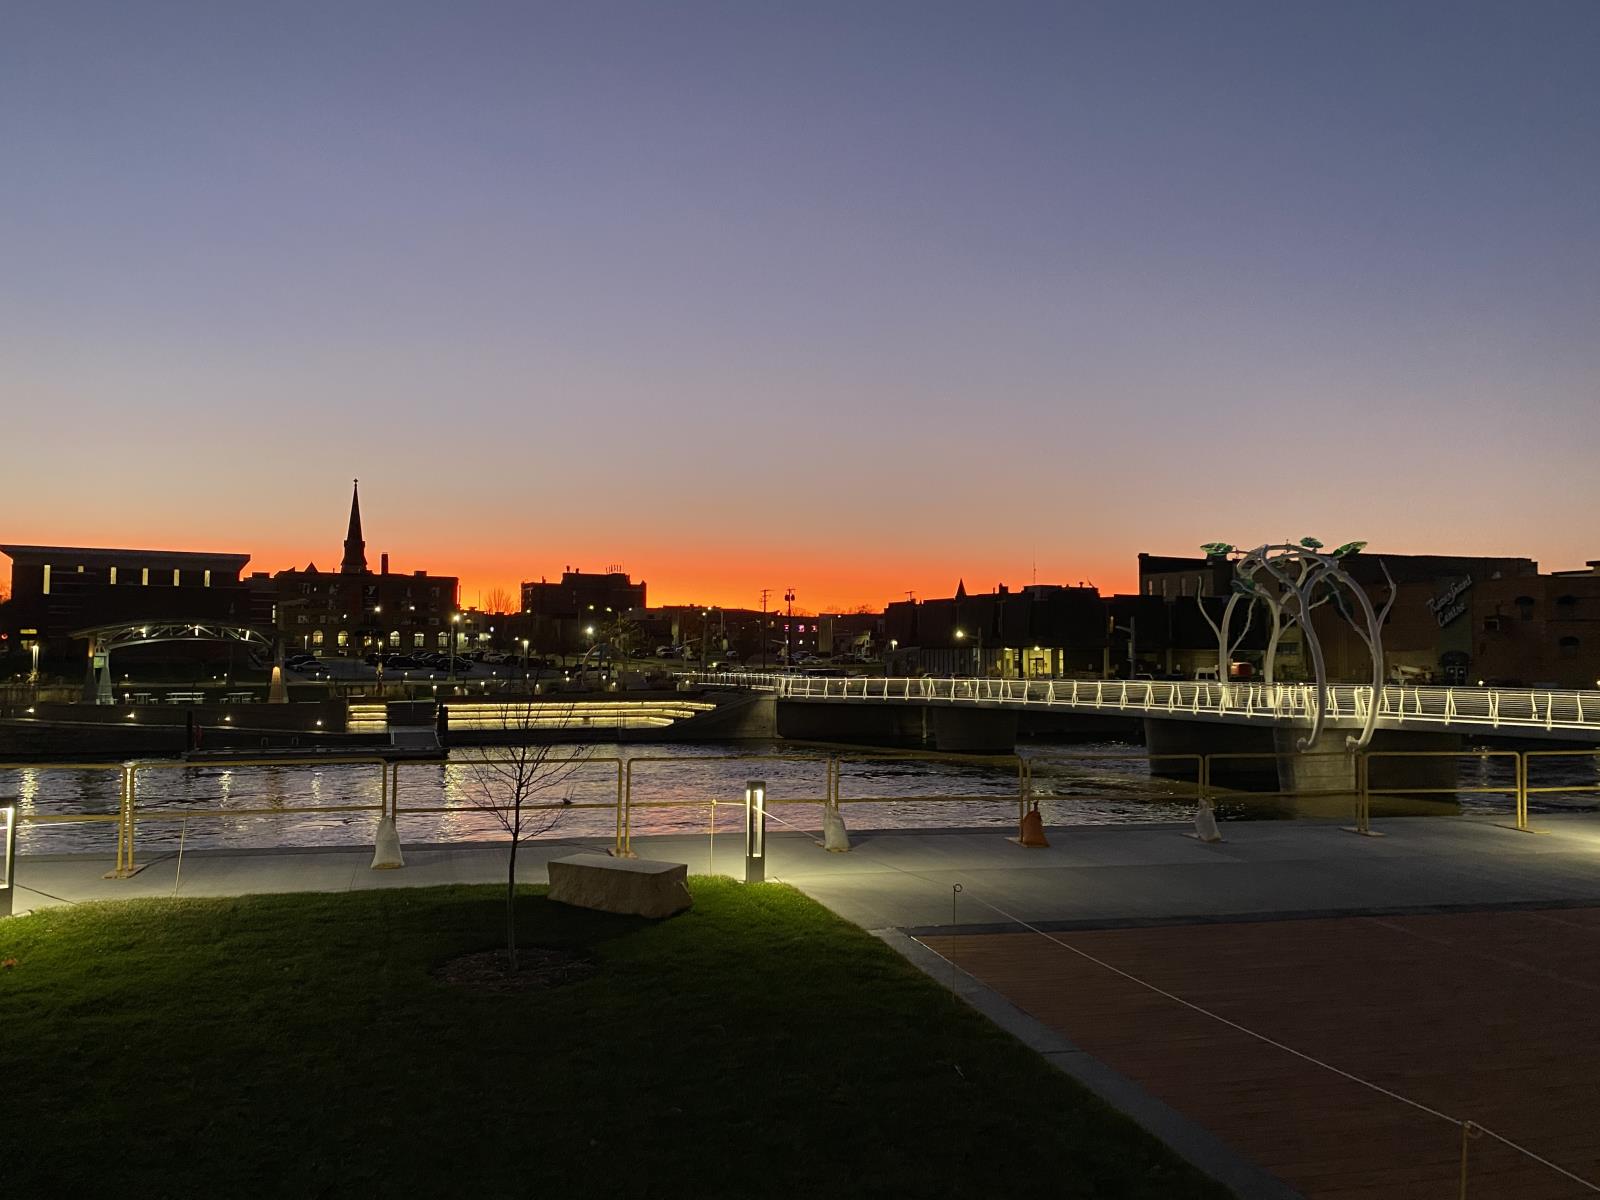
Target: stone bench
x=638, y=886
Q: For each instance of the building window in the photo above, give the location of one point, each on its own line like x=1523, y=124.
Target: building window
x=177, y=577
x=344, y=637
x=144, y=576
x=1566, y=607
x=113, y=574
x=47, y=579
x=444, y=641
x=1525, y=607
x=1568, y=647
x=418, y=640
x=206, y=580
x=316, y=637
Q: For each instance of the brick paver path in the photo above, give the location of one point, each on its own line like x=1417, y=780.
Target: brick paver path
x=1488, y=1016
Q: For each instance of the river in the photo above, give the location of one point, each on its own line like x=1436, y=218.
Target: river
x=673, y=786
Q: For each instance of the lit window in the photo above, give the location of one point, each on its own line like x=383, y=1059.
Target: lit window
x=207, y=582
x=47, y=579
x=177, y=576
x=80, y=568
x=444, y=641
x=394, y=637
x=316, y=637
x=419, y=640
x=344, y=637
x=113, y=574
x=144, y=576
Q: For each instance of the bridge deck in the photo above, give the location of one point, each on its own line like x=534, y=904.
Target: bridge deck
x=1521, y=712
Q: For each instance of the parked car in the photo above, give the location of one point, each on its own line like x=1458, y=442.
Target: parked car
x=400, y=662
x=666, y=652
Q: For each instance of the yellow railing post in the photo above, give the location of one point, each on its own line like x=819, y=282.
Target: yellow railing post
x=125, y=825
x=1521, y=775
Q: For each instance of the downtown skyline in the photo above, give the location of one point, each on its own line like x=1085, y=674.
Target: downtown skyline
x=857, y=301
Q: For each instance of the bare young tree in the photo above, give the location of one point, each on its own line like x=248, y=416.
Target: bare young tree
x=498, y=600
x=523, y=783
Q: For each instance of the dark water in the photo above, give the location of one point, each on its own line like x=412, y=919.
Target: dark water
x=674, y=789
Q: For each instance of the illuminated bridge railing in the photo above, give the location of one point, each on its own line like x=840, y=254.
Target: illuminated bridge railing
x=1512, y=709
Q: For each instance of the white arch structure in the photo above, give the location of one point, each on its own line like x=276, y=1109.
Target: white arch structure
x=1291, y=579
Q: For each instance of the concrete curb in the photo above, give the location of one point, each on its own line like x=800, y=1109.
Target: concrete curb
x=1197, y=1146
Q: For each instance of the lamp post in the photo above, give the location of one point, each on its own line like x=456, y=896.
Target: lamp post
x=455, y=624
x=377, y=636
x=527, y=666
x=977, y=650
x=763, y=629
x=788, y=621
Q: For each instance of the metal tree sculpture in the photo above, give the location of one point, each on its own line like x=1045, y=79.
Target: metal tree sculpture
x=1291, y=579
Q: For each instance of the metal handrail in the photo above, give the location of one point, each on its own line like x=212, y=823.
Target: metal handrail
x=1360, y=791
x=1346, y=704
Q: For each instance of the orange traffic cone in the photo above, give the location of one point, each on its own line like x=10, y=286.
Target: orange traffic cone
x=1032, y=833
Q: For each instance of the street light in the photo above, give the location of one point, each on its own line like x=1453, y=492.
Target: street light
x=527, y=665
x=788, y=597
x=455, y=624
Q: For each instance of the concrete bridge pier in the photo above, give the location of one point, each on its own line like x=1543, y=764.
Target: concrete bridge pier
x=974, y=730
x=1397, y=762
x=1320, y=781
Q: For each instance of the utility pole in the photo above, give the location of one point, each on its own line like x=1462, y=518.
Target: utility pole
x=765, y=592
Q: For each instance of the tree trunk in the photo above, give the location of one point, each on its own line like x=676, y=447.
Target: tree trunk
x=511, y=906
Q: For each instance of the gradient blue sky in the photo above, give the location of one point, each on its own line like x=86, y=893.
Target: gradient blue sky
x=857, y=298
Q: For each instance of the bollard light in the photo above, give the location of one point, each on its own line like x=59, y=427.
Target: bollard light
x=8, y=858
x=755, y=831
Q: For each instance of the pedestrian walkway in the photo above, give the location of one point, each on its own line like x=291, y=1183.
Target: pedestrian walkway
x=1090, y=875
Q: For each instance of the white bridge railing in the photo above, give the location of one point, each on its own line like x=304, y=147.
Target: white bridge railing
x=1524, y=709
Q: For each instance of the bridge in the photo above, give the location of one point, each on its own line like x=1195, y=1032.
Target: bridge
x=1570, y=716
x=103, y=639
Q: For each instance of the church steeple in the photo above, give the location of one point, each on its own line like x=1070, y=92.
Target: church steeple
x=355, y=550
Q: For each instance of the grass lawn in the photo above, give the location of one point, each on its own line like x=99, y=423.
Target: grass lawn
x=299, y=1046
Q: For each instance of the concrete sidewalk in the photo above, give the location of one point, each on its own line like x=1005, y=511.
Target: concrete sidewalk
x=1090, y=875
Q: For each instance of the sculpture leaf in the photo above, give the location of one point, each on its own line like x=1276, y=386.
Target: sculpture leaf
x=1311, y=543
x=1214, y=548
x=1349, y=548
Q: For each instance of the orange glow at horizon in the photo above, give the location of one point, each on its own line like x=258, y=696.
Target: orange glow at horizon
x=823, y=580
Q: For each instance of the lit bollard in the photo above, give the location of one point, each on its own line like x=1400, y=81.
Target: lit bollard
x=8, y=859
x=755, y=831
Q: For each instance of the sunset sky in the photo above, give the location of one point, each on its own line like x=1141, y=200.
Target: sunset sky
x=859, y=298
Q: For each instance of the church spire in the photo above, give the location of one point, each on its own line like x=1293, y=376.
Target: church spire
x=355, y=550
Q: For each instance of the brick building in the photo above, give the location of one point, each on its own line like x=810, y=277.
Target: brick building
x=355, y=611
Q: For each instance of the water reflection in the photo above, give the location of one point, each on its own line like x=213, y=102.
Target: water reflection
x=674, y=789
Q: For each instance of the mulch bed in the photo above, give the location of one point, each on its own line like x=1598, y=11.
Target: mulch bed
x=538, y=967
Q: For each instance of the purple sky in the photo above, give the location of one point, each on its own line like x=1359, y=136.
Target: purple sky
x=857, y=298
